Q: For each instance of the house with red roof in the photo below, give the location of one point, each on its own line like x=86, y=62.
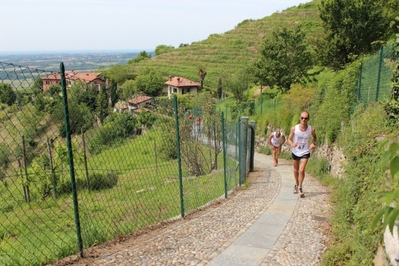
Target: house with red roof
x=71, y=77
x=181, y=85
x=142, y=101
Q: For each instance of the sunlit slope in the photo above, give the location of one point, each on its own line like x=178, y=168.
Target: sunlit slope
x=223, y=54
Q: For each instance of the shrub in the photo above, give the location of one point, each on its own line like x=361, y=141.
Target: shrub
x=118, y=127
x=100, y=181
x=265, y=150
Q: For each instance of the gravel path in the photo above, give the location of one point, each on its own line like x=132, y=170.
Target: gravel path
x=200, y=237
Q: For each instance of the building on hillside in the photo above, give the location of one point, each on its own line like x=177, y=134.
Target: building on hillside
x=71, y=77
x=142, y=101
x=181, y=85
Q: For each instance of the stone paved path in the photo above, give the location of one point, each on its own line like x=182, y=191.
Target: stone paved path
x=201, y=237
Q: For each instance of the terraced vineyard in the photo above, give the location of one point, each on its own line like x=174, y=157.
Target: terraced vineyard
x=223, y=54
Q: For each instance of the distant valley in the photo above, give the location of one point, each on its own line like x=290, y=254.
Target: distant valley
x=79, y=61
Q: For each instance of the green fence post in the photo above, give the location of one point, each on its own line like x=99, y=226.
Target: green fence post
x=224, y=143
x=252, y=150
x=261, y=105
x=70, y=158
x=237, y=151
x=360, y=82
x=178, y=155
x=243, y=148
x=379, y=74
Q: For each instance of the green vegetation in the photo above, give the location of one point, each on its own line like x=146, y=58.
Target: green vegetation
x=121, y=161
x=284, y=60
x=7, y=94
x=354, y=27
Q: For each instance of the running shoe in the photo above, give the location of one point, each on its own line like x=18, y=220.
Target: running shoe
x=301, y=193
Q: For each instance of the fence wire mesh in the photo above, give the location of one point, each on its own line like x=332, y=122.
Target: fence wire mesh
x=79, y=168
x=375, y=79
x=264, y=104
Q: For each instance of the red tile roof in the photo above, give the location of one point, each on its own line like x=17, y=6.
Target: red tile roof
x=140, y=99
x=87, y=76
x=181, y=82
x=73, y=75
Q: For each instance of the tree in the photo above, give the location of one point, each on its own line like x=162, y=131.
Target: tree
x=102, y=104
x=238, y=85
x=128, y=89
x=212, y=128
x=80, y=118
x=118, y=73
x=7, y=94
x=149, y=82
x=284, y=60
x=351, y=27
x=37, y=86
x=220, y=89
x=4, y=162
x=142, y=56
x=201, y=75
x=391, y=106
x=40, y=102
x=81, y=92
x=113, y=93
x=53, y=91
x=163, y=49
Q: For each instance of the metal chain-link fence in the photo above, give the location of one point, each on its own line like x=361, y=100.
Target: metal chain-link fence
x=79, y=167
x=375, y=78
x=374, y=84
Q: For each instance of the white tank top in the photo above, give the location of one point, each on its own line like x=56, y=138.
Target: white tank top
x=276, y=141
x=302, y=137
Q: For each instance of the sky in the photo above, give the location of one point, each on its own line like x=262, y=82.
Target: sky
x=129, y=25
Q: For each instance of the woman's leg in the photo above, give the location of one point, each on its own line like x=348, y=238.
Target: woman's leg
x=274, y=149
x=276, y=154
x=278, y=151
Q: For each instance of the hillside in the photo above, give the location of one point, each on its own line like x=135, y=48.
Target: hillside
x=223, y=54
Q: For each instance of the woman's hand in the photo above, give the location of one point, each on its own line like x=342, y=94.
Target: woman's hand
x=312, y=146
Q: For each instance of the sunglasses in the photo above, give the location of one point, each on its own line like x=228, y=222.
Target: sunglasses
x=304, y=118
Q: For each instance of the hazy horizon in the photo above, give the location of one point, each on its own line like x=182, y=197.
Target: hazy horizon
x=125, y=51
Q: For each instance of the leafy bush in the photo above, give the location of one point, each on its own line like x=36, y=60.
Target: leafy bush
x=167, y=147
x=97, y=181
x=100, y=181
x=391, y=108
x=265, y=150
x=352, y=199
x=116, y=128
x=333, y=104
x=318, y=166
x=7, y=94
